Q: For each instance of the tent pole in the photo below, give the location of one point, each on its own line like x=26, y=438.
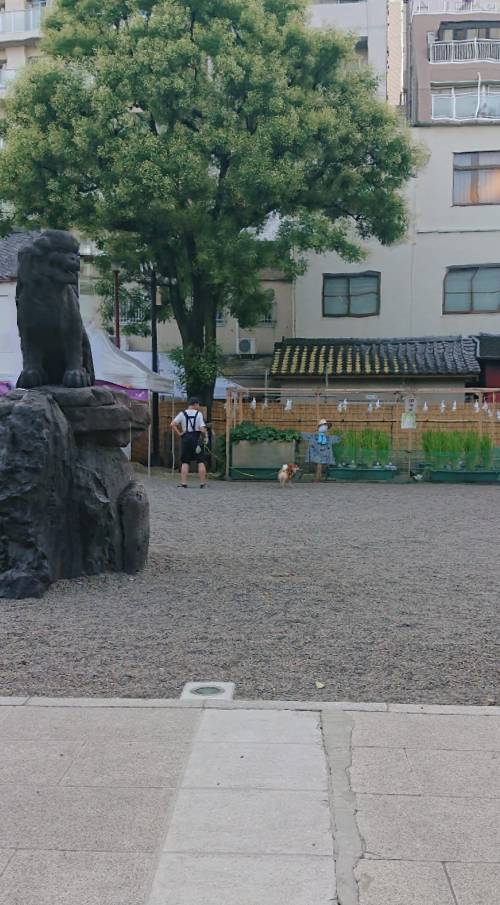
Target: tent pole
x=173, y=435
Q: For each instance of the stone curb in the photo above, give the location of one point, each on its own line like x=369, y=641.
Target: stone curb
x=349, y=706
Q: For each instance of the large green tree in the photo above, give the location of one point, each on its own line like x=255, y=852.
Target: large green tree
x=173, y=130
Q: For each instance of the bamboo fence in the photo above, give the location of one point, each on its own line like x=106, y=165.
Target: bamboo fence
x=465, y=409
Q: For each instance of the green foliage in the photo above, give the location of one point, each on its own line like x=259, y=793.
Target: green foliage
x=248, y=431
x=196, y=368
x=173, y=131
x=383, y=446
x=486, y=448
x=454, y=445
x=351, y=446
x=367, y=440
x=435, y=447
x=471, y=446
x=447, y=448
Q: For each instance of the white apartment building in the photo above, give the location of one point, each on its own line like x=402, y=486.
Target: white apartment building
x=19, y=36
x=444, y=281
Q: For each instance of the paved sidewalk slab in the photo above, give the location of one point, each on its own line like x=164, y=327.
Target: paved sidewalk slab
x=76, y=878
x=403, y=883
x=159, y=805
x=475, y=884
x=238, y=880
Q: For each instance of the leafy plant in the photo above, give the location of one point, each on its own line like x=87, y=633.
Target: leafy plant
x=177, y=129
x=196, y=368
x=471, y=446
x=486, y=447
x=248, y=431
x=368, y=442
x=351, y=447
x=435, y=447
x=454, y=443
x=383, y=446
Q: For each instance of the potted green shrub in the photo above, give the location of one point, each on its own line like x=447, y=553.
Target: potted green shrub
x=383, y=447
x=454, y=443
x=435, y=446
x=351, y=447
x=261, y=451
x=368, y=447
x=486, y=448
x=471, y=445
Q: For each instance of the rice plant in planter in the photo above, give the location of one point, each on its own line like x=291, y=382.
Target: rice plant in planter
x=434, y=443
x=471, y=445
x=486, y=447
x=383, y=447
x=339, y=451
x=368, y=447
x=454, y=444
x=351, y=447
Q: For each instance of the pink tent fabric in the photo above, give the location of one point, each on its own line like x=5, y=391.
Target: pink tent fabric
x=140, y=395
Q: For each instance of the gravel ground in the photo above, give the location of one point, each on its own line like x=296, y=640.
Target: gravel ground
x=382, y=593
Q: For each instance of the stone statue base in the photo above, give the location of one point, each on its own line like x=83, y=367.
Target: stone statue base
x=70, y=504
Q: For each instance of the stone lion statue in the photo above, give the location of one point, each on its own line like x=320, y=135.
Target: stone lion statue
x=55, y=346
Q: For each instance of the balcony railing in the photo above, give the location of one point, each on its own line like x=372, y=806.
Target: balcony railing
x=462, y=105
x=22, y=20
x=6, y=76
x=464, y=51
x=466, y=7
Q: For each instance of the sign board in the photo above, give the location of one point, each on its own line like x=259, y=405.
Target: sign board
x=410, y=404
x=408, y=421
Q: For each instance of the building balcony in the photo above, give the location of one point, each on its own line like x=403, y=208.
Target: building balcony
x=478, y=49
x=456, y=7
x=479, y=104
x=22, y=24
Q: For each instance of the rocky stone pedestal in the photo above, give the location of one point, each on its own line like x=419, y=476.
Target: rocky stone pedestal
x=70, y=504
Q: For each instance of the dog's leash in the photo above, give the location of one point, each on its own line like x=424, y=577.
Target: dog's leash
x=237, y=470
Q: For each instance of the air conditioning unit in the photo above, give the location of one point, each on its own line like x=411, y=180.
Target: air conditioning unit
x=247, y=347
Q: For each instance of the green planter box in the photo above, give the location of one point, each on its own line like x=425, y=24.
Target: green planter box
x=259, y=460
x=457, y=476
x=342, y=473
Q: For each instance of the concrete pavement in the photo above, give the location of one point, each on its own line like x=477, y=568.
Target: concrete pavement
x=109, y=802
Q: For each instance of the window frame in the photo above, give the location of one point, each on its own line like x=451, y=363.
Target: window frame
x=473, y=169
x=269, y=320
x=349, y=276
x=471, y=309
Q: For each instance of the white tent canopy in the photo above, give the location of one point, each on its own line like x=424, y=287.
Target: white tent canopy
x=110, y=364
x=167, y=369
x=117, y=367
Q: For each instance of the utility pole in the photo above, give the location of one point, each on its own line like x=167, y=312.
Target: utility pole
x=155, y=456
x=115, y=267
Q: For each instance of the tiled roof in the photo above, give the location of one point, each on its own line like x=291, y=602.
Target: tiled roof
x=375, y=358
x=9, y=249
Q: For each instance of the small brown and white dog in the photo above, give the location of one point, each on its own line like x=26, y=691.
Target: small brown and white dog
x=286, y=473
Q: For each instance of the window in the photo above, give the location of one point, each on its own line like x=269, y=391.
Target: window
x=469, y=32
x=269, y=319
x=351, y=295
x=466, y=102
x=469, y=289
x=220, y=320
x=476, y=178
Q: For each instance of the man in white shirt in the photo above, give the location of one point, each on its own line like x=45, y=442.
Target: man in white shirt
x=192, y=430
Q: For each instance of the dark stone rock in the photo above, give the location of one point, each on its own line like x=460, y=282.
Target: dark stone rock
x=69, y=505
x=101, y=416
x=55, y=346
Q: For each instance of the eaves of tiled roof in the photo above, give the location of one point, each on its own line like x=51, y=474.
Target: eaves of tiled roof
x=437, y=356
x=9, y=250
